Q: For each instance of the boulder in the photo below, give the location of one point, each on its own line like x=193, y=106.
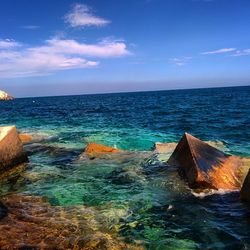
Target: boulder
x=94, y=149
x=245, y=190
x=204, y=166
x=11, y=149
x=25, y=138
x=4, y=96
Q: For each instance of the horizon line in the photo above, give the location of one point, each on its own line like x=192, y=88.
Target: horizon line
x=136, y=91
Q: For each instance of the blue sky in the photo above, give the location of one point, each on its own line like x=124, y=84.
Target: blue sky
x=93, y=46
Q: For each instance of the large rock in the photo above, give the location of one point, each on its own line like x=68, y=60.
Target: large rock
x=245, y=190
x=4, y=96
x=205, y=166
x=11, y=149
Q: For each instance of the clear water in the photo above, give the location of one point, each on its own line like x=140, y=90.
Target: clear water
x=141, y=199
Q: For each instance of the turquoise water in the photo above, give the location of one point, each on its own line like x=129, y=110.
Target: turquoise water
x=141, y=199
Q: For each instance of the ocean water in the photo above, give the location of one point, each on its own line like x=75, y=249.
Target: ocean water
x=140, y=198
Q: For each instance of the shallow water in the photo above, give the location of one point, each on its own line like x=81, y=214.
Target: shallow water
x=139, y=199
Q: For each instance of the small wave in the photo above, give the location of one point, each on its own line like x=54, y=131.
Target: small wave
x=209, y=192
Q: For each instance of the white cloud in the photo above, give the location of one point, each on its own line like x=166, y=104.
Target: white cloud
x=82, y=16
x=8, y=44
x=56, y=55
x=30, y=27
x=180, y=61
x=106, y=48
x=219, y=51
x=245, y=52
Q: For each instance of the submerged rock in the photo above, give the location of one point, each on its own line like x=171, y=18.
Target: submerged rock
x=25, y=138
x=5, y=96
x=245, y=190
x=31, y=223
x=11, y=149
x=205, y=166
x=94, y=150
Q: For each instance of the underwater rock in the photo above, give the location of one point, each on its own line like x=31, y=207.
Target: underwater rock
x=5, y=96
x=205, y=166
x=245, y=190
x=123, y=177
x=11, y=149
x=25, y=138
x=94, y=150
x=32, y=223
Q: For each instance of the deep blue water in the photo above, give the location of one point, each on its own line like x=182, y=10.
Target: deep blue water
x=154, y=205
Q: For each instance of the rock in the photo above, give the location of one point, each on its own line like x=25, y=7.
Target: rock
x=11, y=149
x=25, y=138
x=205, y=166
x=32, y=223
x=4, y=96
x=124, y=177
x=94, y=150
x=245, y=190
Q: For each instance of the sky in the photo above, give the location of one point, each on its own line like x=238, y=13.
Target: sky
x=64, y=47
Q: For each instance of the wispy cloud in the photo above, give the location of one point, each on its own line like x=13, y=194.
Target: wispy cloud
x=181, y=61
x=219, y=51
x=56, y=55
x=82, y=16
x=8, y=43
x=244, y=52
x=30, y=27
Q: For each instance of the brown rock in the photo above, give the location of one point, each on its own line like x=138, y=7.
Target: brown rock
x=95, y=149
x=25, y=137
x=245, y=190
x=205, y=166
x=32, y=223
x=11, y=149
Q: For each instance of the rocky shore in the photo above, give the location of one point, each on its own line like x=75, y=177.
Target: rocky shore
x=31, y=222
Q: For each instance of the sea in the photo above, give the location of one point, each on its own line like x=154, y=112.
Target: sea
x=141, y=199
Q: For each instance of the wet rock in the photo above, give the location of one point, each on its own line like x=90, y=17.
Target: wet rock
x=25, y=138
x=31, y=223
x=11, y=149
x=123, y=177
x=94, y=150
x=245, y=190
x=205, y=166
